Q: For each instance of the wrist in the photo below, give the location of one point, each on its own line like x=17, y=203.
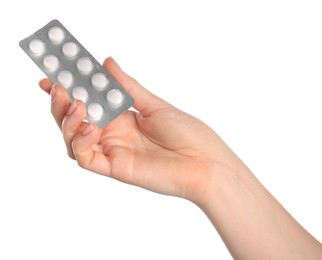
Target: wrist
x=214, y=181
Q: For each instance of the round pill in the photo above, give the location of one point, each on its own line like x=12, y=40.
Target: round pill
x=99, y=81
x=115, y=97
x=70, y=49
x=94, y=111
x=56, y=34
x=51, y=62
x=37, y=47
x=80, y=93
x=84, y=65
x=65, y=77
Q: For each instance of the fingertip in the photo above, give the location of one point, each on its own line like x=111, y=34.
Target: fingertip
x=107, y=60
x=109, y=63
x=121, y=77
x=42, y=81
x=45, y=84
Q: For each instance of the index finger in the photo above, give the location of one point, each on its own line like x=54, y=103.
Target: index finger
x=59, y=100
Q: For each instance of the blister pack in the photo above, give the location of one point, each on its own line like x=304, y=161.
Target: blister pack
x=64, y=60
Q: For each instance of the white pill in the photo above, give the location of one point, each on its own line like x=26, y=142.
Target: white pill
x=51, y=62
x=56, y=34
x=115, y=97
x=65, y=77
x=70, y=49
x=37, y=47
x=80, y=93
x=94, y=111
x=99, y=81
x=84, y=65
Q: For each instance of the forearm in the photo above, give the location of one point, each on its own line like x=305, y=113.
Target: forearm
x=252, y=223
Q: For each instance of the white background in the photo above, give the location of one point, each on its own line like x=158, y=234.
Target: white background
x=249, y=69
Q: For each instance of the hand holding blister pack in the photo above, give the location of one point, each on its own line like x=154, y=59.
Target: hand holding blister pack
x=64, y=60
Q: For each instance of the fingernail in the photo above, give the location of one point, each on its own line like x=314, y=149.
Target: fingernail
x=88, y=129
x=52, y=93
x=72, y=108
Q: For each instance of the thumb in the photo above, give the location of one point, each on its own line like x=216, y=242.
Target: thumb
x=145, y=102
x=87, y=151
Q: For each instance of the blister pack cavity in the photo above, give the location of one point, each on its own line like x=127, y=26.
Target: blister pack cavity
x=64, y=60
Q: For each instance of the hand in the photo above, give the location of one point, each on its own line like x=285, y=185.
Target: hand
x=165, y=150
x=159, y=148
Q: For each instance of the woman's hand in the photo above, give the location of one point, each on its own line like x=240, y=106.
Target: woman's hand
x=159, y=148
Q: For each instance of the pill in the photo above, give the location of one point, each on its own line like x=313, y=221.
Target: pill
x=99, y=81
x=51, y=62
x=56, y=34
x=37, y=47
x=94, y=111
x=84, y=65
x=80, y=93
x=64, y=60
x=70, y=49
x=65, y=77
x=115, y=97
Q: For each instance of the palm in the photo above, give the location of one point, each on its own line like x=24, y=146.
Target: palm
x=146, y=151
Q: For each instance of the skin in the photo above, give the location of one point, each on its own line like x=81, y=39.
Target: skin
x=162, y=149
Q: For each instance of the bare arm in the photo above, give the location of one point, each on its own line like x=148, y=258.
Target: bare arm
x=251, y=221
